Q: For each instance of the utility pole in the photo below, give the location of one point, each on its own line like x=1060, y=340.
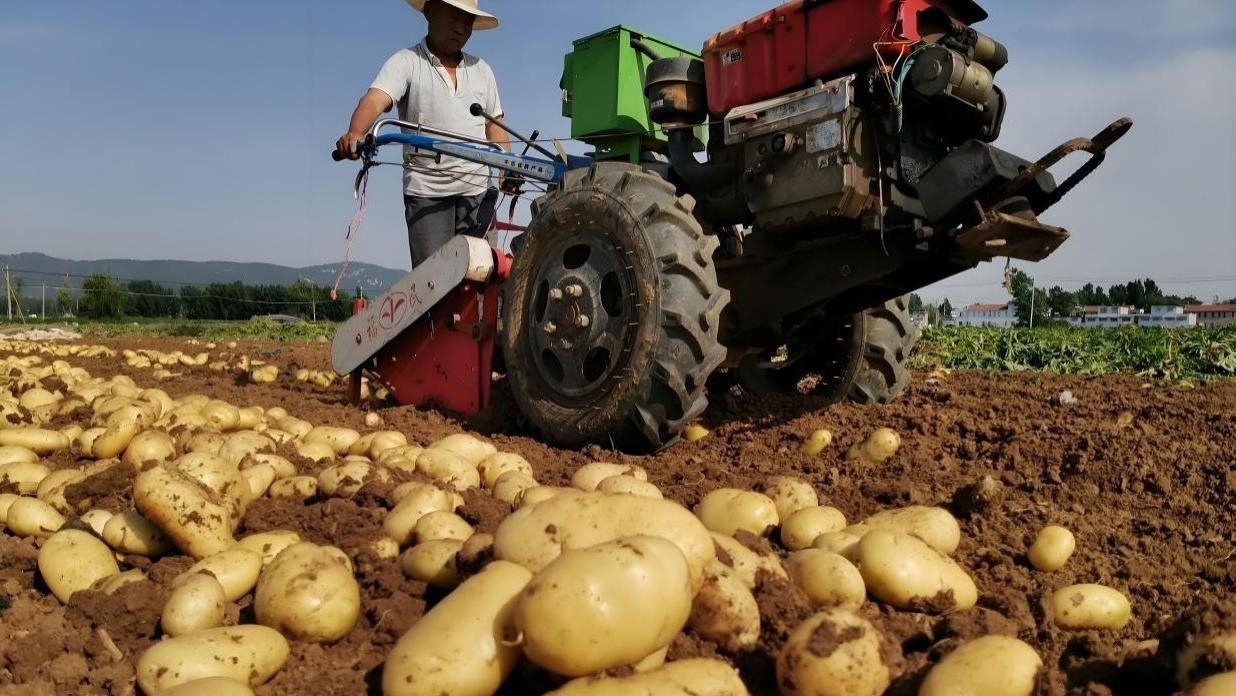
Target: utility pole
x=8, y=293
x=1032, y=294
x=44, y=314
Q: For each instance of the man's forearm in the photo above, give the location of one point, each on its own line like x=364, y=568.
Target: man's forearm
x=497, y=136
x=371, y=106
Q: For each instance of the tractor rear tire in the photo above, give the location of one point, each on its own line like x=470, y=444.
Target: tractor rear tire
x=862, y=358
x=612, y=312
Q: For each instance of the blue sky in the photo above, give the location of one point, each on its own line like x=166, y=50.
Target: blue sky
x=202, y=130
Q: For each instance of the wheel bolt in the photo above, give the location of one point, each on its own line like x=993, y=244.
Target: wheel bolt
x=582, y=322
x=551, y=327
x=555, y=294
x=574, y=290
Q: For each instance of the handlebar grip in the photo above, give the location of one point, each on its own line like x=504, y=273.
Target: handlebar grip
x=338, y=156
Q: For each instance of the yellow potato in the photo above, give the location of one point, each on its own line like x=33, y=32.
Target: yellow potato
x=95, y=519
x=122, y=427
x=442, y=524
x=934, y=525
x=691, y=677
x=817, y=442
x=51, y=488
x=746, y=563
x=73, y=560
x=316, y=451
x=6, y=501
x=879, y=446
x=491, y=468
x=477, y=551
x=308, y=594
x=41, y=442
x=471, y=448
x=338, y=439
x=827, y=579
x=727, y=510
x=244, y=443
x=203, y=441
x=24, y=477
x=629, y=485
x=1080, y=607
x=149, y=445
x=195, y=603
x=510, y=485
x=903, y=571
x=539, y=494
x=448, y=467
x=803, y=527
x=848, y=663
x=789, y=494
x=843, y=543
x=299, y=428
x=464, y=645
x=259, y=479
x=130, y=532
x=385, y=441
x=400, y=523
x=344, y=480
x=211, y=686
x=31, y=517
x=433, y=562
x=247, y=654
x=221, y=416
x=604, y=606
x=16, y=455
x=724, y=611
x=372, y=420
x=236, y=570
x=1223, y=684
x=987, y=665
x=110, y=584
x=269, y=544
x=534, y=536
x=588, y=476
x=300, y=488
x=1052, y=548
x=197, y=518
x=281, y=466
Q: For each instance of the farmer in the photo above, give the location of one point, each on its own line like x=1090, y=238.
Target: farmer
x=436, y=83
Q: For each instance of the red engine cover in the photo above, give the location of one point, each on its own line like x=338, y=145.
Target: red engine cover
x=800, y=41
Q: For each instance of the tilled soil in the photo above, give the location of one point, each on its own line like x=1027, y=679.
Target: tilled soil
x=1143, y=473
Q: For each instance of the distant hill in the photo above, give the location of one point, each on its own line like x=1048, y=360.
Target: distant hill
x=37, y=269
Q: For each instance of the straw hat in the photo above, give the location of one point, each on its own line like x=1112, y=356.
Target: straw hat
x=484, y=20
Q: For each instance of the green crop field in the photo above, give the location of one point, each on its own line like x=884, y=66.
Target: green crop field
x=1174, y=354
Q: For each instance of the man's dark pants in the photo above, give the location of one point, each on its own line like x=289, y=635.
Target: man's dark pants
x=432, y=222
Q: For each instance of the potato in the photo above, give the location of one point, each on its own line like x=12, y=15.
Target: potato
x=31, y=517
x=6, y=502
x=817, y=442
x=629, y=485
x=130, y=532
x=24, y=477
x=510, y=485
x=149, y=445
x=472, y=449
x=221, y=415
x=203, y=441
x=211, y=686
x=259, y=479
x=988, y=665
x=315, y=451
x=244, y=443
x=801, y=529
x=198, y=519
x=464, y=645
x=51, y=488
x=247, y=654
x=449, y=468
x=534, y=536
x=236, y=570
x=269, y=544
x=539, y=494
x=383, y=441
x=1079, y=607
x=1052, y=548
x=95, y=519
x=195, y=603
x=727, y=510
x=588, y=476
x=72, y=560
x=828, y=580
x=16, y=455
x=843, y=543
x=495, y=465
x=300, y=488
x=308, y=594
x=344, y=480
x=400, y=523
x=338, y=439
x=746, y=563
x=879, y=446
x=1214, y=647
x=372, y=420
x=789, y=495
x=41, y=442
x=903, y=571
x=691, y=677
x=934, y=525
x=1223, y=684
x=112, y=583
x=834, y=653
x=406, y=452
x=299, y=428
x=724, y=611
x=281, y=466
x=442, y=525
x=475, y=553
x=433, y=562
x=122, y=427
x=604, y=606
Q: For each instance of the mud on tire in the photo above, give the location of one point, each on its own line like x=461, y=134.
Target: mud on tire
x=616, y=246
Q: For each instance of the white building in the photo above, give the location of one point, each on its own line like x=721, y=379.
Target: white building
x=1001, y=315
x=1213, y=315
x=1106, y=317
x=1167, y=317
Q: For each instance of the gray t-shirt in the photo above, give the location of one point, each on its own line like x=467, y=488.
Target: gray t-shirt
x=422, y=88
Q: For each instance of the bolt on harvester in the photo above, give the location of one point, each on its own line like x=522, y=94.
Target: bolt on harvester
x=750, y=216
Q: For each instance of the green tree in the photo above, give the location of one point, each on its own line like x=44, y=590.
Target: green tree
x=933, y=316
x=1091, y=295
x=1061, y=302
x=102, y=297
x=1117, y=295
x=946, y=309
x=1031, y=302
x=64, y=298
x=916, y=303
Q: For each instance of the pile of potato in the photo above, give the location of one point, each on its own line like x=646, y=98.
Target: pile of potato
x=577, y=581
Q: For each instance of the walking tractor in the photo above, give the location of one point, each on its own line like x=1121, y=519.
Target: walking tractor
x=751, y=216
